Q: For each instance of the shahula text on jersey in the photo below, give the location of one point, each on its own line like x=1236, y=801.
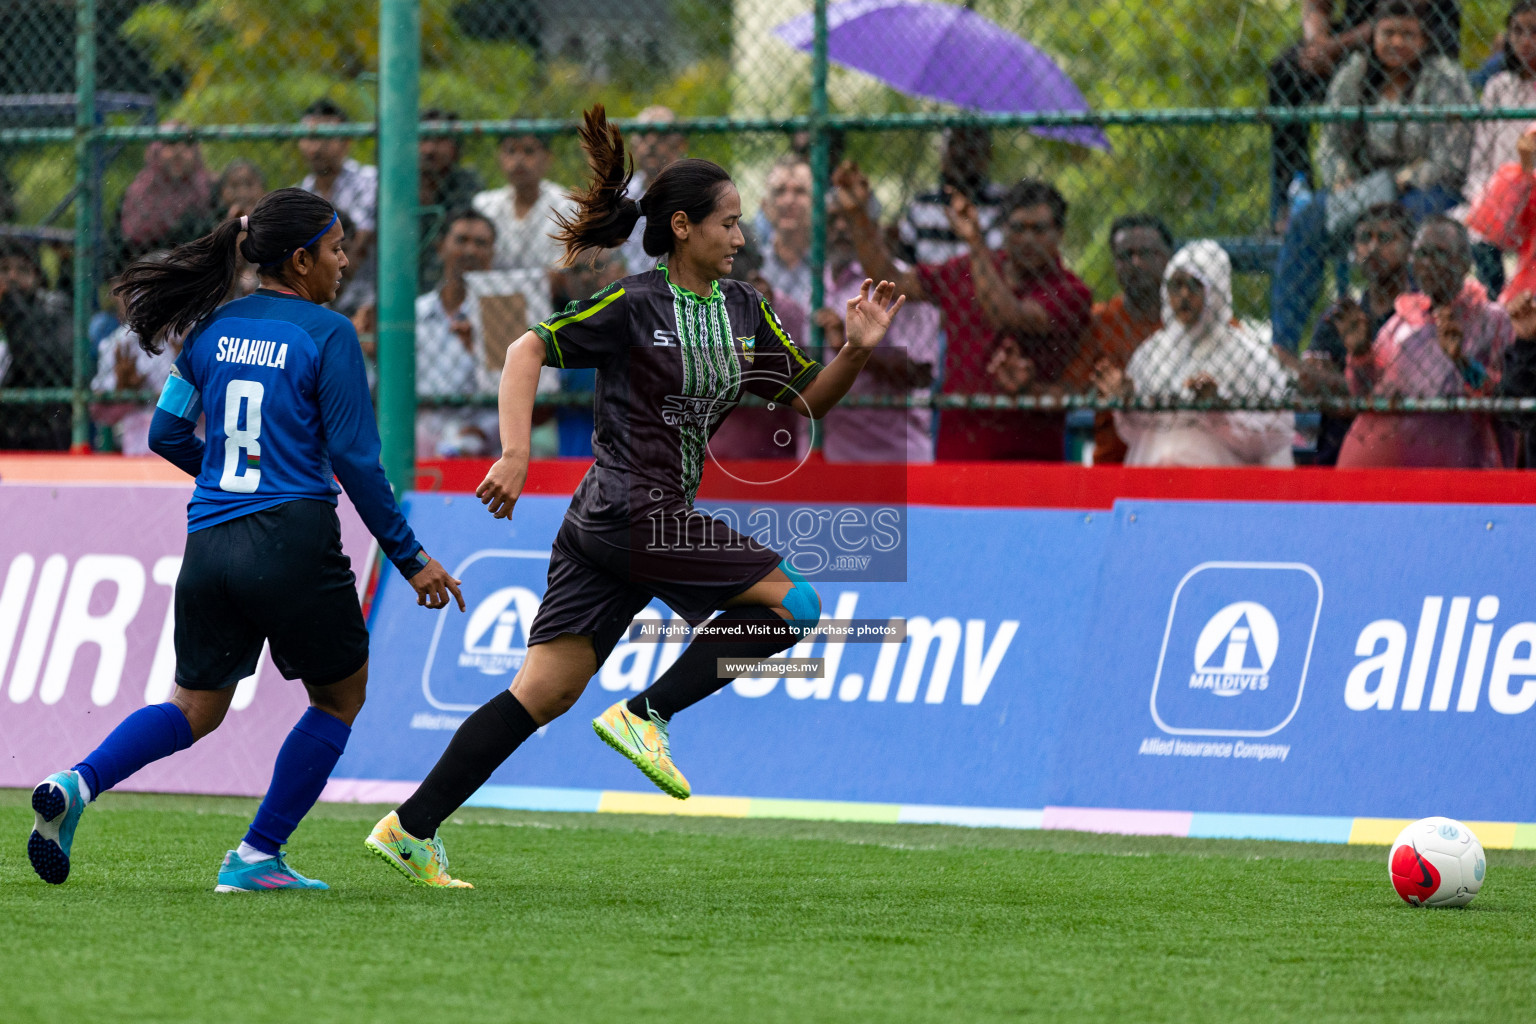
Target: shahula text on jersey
x=253, y=352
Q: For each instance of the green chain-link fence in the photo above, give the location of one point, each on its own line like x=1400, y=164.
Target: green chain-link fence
x=127, y=127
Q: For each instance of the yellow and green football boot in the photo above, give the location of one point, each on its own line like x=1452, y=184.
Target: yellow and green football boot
x=643, y=741
x=422, y=861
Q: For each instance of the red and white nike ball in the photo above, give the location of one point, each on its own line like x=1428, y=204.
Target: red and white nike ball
x=1437, y=862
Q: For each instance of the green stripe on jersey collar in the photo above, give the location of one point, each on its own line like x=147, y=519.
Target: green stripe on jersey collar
x=685, y=294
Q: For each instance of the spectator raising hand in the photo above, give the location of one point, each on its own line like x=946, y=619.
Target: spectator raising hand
x=1525, y=149
x=1449, y=334
x=902, y=365
x=1204, y=387
x=1447, y=341
x=1019, y=291
x=1011, y=369
x=964, y=218
x=1110, y=379
x=1522, y=314
x=1349, y=319
x=831, y=323
x=852, y=188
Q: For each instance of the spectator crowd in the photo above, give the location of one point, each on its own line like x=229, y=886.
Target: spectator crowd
x=1437, y=218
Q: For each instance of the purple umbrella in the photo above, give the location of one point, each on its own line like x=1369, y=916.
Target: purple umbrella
x=947, y=53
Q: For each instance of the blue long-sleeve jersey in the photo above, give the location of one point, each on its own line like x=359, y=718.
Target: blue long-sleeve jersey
x=281, y=383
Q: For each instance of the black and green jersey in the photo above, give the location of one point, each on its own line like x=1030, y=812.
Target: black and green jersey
x=671, y=365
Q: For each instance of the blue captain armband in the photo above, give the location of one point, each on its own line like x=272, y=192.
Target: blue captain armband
x=180, y=398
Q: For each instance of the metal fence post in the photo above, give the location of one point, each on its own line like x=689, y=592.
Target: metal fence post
x=399, y=78
x=820, y=172
x=86, y=187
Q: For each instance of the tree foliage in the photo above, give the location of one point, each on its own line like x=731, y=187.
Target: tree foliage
x=264, y=61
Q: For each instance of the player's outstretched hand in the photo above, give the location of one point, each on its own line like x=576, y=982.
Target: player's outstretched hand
x=869, y=316
x=433, y=585
x=499, y=491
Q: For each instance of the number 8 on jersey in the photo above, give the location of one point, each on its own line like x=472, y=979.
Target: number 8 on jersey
x=242, y=446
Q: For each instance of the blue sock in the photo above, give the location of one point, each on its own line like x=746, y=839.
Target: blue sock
x=303, y=765
x=147, y=735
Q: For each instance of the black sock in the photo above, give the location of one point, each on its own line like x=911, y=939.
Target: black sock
x=477, y=749
x=693, y=675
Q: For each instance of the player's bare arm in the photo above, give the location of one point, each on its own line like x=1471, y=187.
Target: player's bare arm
x=501, y=487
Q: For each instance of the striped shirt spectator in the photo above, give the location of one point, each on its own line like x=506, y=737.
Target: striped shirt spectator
x=925, y=232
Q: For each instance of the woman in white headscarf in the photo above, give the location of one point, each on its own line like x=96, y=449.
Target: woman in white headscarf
x=1202, y=355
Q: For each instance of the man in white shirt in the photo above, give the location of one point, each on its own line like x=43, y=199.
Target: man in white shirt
x=654, y=152
x=351, y=187
x=787, y=207
x=446, y=356
x=524, y=210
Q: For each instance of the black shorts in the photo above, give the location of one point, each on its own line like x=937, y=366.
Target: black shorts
x=600, y=579
x=276, y=575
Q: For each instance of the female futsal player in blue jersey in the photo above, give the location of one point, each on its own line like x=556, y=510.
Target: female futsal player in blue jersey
x=280, y=383
x=674, y=348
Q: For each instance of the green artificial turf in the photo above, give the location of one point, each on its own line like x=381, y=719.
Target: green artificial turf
x=586, y=917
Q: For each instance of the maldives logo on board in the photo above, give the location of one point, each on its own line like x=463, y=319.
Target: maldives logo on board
x=1245, y=629
x=496, y=636
x=1236, y=650
x=471, y=657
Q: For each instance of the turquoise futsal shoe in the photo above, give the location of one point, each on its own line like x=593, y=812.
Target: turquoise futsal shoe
x=58, y=802
x=235, y=875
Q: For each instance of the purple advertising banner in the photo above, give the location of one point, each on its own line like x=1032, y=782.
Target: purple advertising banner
x=86, y=579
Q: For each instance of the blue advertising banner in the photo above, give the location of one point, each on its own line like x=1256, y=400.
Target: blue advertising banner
x=963, y=713
x=1196, y=668
x=1333, y=660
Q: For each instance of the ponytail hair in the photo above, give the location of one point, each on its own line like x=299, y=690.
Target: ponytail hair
x=606, y=216
x=173, y=292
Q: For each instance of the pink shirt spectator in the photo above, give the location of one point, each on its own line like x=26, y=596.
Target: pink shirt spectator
x=1406, y=361
x=884, y=435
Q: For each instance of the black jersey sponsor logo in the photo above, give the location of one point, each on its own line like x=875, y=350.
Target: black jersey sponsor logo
x=688, y=411
x=664, y=339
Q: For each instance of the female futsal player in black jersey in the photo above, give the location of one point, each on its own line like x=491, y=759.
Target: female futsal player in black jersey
x=674, y=349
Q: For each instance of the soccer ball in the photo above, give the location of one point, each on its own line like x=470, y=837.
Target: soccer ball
x=1437, y=862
